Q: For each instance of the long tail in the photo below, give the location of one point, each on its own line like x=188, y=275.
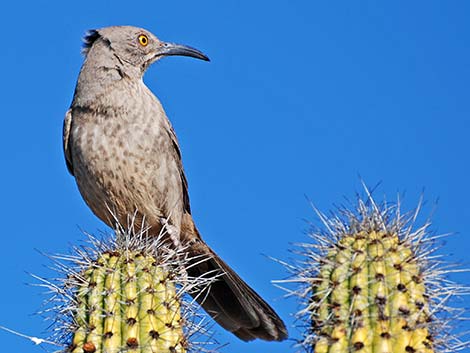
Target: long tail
x=229, y=300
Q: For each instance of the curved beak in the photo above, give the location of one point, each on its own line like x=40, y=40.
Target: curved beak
x=168, y=49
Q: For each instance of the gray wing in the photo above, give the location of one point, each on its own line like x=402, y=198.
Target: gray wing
x=66, y=140
x=184, y=181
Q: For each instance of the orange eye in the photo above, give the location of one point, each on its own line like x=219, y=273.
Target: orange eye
x=143, y=40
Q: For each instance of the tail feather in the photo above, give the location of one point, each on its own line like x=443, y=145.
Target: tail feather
x=229, y=300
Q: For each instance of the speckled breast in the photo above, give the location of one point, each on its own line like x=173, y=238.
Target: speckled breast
x=124, y=165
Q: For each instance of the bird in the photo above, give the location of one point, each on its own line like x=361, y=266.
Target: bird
x=124, y=154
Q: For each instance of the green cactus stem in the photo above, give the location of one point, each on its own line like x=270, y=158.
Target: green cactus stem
x=128, y=301
x=369, y=298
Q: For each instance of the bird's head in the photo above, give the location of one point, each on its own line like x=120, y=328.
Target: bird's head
x=132, y=47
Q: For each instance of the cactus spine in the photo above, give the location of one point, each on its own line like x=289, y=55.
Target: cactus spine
x=371, y=284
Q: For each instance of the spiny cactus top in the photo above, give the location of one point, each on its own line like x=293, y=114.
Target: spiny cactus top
x=126, y=294
x=370, y=285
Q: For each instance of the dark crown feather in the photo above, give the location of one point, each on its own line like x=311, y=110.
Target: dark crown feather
x=90, y=37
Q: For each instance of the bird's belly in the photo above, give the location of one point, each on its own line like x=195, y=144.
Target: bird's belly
x=127, y=176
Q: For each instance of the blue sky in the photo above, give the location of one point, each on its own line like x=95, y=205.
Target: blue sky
x=300, y=98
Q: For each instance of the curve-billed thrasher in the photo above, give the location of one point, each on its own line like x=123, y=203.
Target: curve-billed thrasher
x=123, y=152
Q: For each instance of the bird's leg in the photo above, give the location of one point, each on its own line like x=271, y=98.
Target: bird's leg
x=174, y=234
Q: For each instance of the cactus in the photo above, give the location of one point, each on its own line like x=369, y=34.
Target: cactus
x=370, y=296
x=370, y=283
x=127, y=300
x=124, y=294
